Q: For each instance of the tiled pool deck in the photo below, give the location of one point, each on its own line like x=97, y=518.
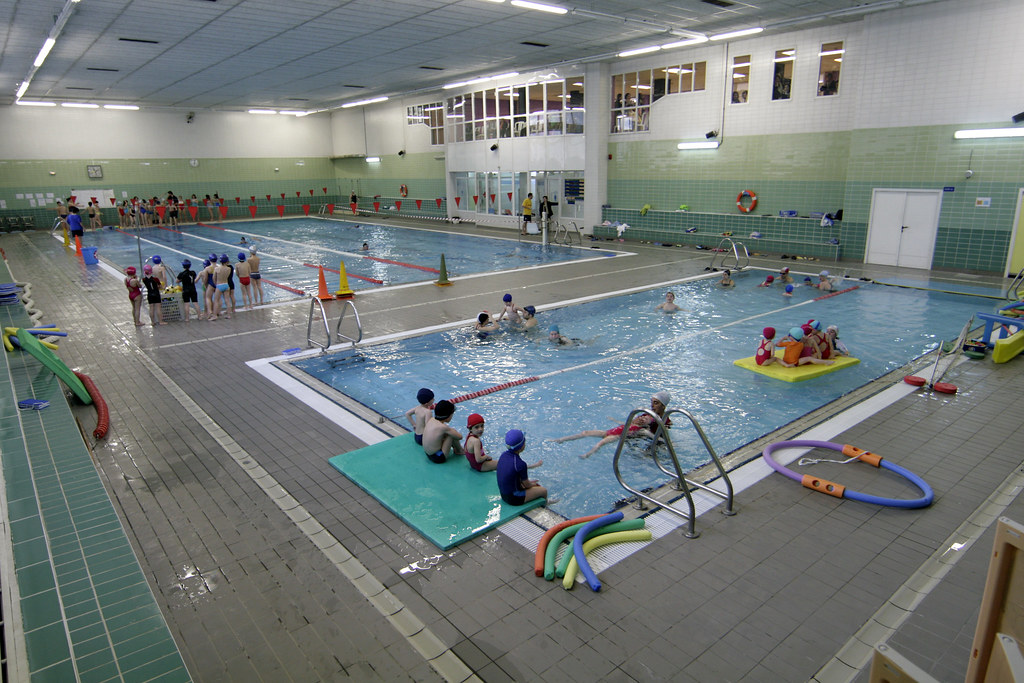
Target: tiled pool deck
x=266, y=565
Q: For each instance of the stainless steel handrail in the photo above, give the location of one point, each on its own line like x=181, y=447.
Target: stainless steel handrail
x=691, y=532
x=359, y=326
x=1013, y=291
x=721, y=252
x=310, y=342
x=727, y=495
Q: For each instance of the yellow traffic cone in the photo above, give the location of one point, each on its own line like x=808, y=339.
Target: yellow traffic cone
x=67, y=238
x=323, y=294
x=442, y=279
x=344, y=292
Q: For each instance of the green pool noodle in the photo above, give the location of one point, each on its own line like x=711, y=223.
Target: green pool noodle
x=624, y=525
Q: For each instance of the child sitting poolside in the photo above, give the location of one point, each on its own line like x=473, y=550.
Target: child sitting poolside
x=440, y=440
x=474, y=446
x=514, y=486
x=765, y=354
x=420, y=414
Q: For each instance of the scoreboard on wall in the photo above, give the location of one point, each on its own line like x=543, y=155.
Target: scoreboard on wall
x=573, y=190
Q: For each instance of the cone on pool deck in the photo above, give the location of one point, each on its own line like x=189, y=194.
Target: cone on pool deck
x=323, y=294
x=78, y=245
x=344, y=292
x=67, y=238
x=442, y=279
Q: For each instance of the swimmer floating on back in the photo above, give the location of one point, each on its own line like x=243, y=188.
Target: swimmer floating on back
x=642, y=425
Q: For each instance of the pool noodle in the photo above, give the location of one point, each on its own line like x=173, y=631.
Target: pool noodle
x=593, y=544
x=563, y=564
x=538, y=558
x=577, y=545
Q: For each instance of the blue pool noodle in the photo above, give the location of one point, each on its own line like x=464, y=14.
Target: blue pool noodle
x=577, y=547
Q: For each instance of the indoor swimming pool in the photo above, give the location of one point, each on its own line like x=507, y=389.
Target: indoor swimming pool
x=624, y=351
x=291, y=250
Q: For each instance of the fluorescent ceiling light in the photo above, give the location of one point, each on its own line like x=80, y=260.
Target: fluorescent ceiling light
x=829, y=53
x=482, y=79
x=79, y=105
x=640, y=51
x=788, y=53
x=739, y=64
x=678, y=70
x=44, y=51
x=360, y=103
x=293, y=113
x=989, y=133
x=539, y=6
x=683, y=43
x=578, y=83
x=372, y=160
x=737, y=34
x=123, y=107
x=642, y=87
x=778, y=60
x=704, y=144
x=497, y=2
x=36, y=104
x=21, y=90
x=262, y=111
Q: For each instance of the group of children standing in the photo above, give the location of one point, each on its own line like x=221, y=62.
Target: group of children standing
x=431, y=423
x=216, y=279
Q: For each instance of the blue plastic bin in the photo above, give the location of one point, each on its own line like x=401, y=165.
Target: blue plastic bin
x=89, y=255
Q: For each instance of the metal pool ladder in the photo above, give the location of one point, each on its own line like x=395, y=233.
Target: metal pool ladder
x=734, y=258
x=1013, y=291
x=315, y=304
x=680, y=482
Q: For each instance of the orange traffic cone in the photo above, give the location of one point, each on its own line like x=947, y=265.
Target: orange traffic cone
x=323, y=294
x=344, y=292
x=442, y=279
x=78, y=245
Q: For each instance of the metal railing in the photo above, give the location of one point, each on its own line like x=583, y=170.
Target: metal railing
x=337, y=336
x=735, y=258
x=310, y=342
x=348, y=305
x=680, y=483
x=1013, y=292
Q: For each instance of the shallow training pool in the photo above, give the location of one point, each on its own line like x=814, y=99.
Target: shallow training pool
x=292, y=249
x=627, y=351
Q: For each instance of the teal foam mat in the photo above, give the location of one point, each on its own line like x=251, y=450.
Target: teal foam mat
x=448, y=503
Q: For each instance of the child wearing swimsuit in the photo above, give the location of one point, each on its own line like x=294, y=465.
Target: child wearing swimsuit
x=766, y=348
x=474, y=446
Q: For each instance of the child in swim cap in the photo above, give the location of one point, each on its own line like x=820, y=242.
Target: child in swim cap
x=767, y=281
x=418, y=415
x=789, y=291
x=153, y=296
x=510, y=310
x=513, y=484
x=474, y=446
x=765, y=354
x=134, y=294
x=485, y=325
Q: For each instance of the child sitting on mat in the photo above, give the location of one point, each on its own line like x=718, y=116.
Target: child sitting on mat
x=439, y=439
x=765, y=354
x=474, y=446
x=796, y=353
x=418, y=415
x=514, y=486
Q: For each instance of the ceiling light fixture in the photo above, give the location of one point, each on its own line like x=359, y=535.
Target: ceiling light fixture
x=79, y=105
x=122, y=107
x=262, y=111
x=639, y=51
x=51, y=40
x=44, y=51
x=983, y=133
x=539, y=6
x=709, y=144
x=360, y=103
x=482, y=79
x=684, y=43
x=26, y=103
x=372, y=160
x=737, y=34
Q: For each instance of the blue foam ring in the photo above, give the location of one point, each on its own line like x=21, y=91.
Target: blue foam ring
x=923, y=501
x=291, y=351
x=577, y=547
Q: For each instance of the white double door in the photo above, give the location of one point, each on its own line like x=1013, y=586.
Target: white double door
x=902, y=227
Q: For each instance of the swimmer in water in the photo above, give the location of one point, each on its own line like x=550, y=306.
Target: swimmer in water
x=485, y=325
x=641, y=425
x=529, y=318
x=789, y=291
x=669, y=304
x=726, y=280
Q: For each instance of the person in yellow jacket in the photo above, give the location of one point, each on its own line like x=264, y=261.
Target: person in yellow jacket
x=527, y=212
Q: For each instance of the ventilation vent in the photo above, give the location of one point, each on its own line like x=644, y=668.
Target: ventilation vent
x=432, y=68
x=75, y=87
x=98, y=68
x=140, y=40
x=719, y=3
x=353, y=86
x=533, y=44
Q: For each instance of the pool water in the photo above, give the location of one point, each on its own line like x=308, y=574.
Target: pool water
x=291, y=249
x=626, y=352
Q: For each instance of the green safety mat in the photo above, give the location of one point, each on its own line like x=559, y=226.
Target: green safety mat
x=448, y=503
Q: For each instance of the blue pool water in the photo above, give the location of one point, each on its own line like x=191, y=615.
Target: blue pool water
x=627, y=352
x=291, y=249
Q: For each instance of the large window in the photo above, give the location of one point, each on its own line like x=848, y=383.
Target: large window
x=430, y=115
x=553, y=107
x=782, y=76
x=633, y=93
x=740, y=79
x=828, y=69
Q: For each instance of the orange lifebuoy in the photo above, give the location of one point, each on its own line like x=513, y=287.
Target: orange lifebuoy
x=404, y=191
x=739, y=201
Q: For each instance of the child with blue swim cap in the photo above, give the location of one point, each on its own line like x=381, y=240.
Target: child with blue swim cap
x=420, y=413
x=513, y=484
x=189, y=296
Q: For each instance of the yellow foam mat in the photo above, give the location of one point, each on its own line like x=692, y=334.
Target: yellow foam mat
x=1007, y=348
x=797, y=374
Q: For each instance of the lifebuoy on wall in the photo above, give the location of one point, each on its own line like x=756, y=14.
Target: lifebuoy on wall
x=739, y=201
x=403, y=190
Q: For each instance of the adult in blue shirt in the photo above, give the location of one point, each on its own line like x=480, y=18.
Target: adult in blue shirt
x=515, y=487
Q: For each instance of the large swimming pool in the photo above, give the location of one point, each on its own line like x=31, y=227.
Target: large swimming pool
x=292, y=249
x=627, y=351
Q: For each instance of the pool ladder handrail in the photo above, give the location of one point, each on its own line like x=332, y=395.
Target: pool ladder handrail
x=322, y=211
x=1013, y=291
x=310, y=342
x=681, y=483
x=721, y=251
